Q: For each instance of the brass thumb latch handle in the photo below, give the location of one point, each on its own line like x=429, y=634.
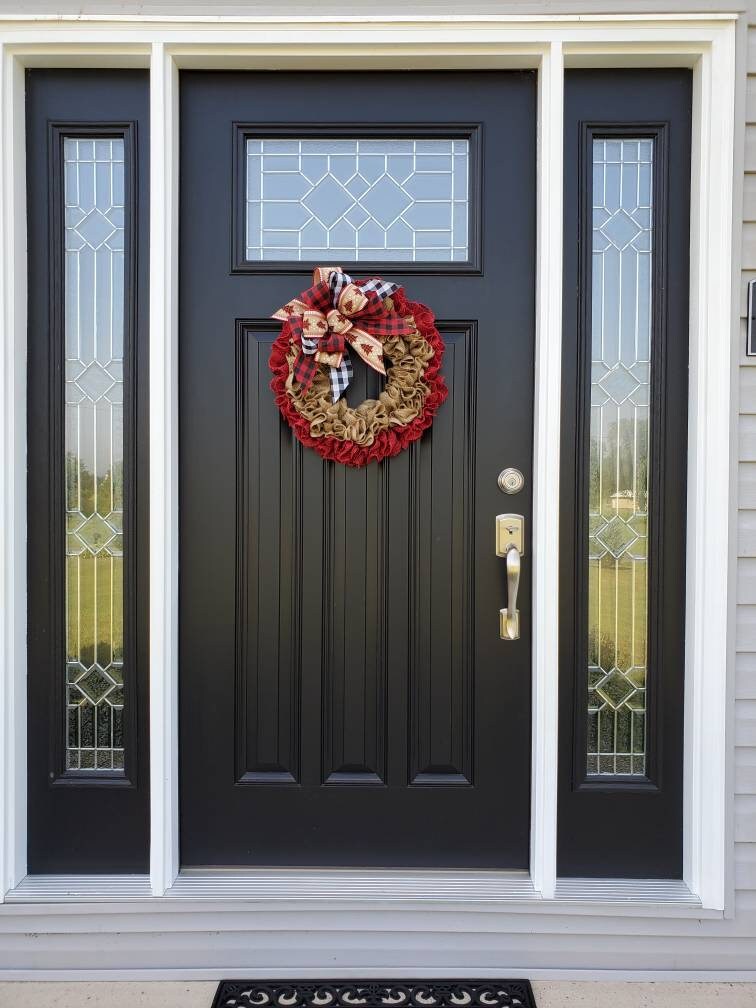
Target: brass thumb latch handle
x=509, y=544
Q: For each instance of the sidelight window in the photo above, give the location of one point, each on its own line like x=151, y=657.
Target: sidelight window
x=94, y=451
x=621, y=311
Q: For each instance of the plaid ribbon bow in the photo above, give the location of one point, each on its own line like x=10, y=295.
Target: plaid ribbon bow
x=337, y=311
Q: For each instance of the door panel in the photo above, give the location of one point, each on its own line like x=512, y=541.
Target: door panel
x=345, y=697
x=88, y=265
x=624, y=423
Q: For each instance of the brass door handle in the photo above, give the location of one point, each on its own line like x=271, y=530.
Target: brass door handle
x=509, y=544
x=509, y=618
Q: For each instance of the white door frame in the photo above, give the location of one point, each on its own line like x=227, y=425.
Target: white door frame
x=548, y=43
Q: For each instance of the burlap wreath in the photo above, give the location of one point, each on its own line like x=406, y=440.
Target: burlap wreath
x=377, y=428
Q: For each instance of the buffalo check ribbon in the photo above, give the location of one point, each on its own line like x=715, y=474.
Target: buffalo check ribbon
x=337, y=311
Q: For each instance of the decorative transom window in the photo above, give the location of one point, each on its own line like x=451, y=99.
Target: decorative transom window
x=357, y=199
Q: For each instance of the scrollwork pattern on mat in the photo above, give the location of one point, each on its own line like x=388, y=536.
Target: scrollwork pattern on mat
x=375, y=994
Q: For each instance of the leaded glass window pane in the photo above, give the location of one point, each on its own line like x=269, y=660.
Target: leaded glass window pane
x=357, y=200
x=94, y=451
x=621, y=302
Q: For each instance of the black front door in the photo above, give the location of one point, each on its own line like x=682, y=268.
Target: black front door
x=345, y=697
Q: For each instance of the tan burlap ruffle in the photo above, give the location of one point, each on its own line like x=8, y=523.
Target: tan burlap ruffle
x=399, y=403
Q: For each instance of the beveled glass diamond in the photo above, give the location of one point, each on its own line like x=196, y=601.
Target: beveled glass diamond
x=95, y=229
x=616, y=536
x=615, y=689
x=329, y=200
x=618, y=384
x=94, y=382
x=95, y=533
x=385, y=201
x=357, y=186
x=620, y=229
x=95, y=684
x=357, y=216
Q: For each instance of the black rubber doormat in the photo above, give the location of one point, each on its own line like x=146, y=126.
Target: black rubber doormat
x=374, y=994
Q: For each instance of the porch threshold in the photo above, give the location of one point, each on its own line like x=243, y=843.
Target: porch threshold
x=356, y=884
x=591, y=890
x=80, y=889
x=440, y=889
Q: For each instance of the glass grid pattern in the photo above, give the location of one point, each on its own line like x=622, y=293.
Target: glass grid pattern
x=619, y=450
x=94, y=493
x=352, y=200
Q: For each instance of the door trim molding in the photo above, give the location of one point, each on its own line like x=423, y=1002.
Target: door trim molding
x=549, y=43
x=163, y=406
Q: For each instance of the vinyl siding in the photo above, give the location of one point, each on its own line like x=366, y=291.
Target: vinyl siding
x=745, y=623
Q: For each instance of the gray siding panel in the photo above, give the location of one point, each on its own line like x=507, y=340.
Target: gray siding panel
x=745, y=663
x=748, y=389
x=750, y=147
x=745, y=722
x=749, y=197
x=745, y=818
x=748, y=254
x=745, y=771
x=747, y=438
x=746, y=581
x=745, y=622
x=745, y=666
x=747, y=485
x=745, y=865
x=745, y=676
x=747, y=533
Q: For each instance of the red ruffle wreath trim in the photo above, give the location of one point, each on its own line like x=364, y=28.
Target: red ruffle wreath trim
x=389, y=442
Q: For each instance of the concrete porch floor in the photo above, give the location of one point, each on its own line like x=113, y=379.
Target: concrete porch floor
x=549, y=994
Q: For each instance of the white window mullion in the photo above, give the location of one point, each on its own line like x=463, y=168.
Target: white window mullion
x=163, y=410
x=546, y=452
